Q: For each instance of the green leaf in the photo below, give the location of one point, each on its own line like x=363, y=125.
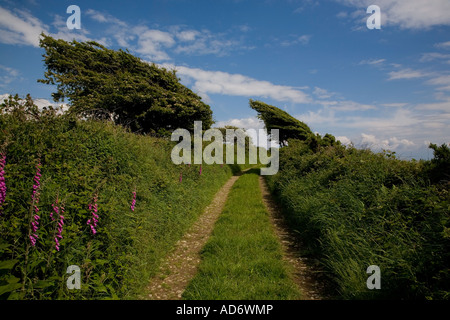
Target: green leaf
x=41, y=284
x=9, y=287
x=101, y=288
x=101, y=261
x=8, y=264
x=12, y=279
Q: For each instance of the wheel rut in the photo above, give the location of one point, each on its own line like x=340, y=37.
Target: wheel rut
x=181, y=265
x=305, y=274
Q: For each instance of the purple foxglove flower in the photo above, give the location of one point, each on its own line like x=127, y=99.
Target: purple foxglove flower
x=92, y=222
x=2, y=180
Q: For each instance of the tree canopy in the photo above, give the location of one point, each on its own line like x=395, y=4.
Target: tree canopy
x=290, y=127
x=101, y=82
x=275, y=118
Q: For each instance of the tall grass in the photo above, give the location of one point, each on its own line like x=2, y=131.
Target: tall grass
x=354, y=208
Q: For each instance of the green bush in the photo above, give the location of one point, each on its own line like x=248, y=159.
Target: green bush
x=354, y=208
x=80, y=159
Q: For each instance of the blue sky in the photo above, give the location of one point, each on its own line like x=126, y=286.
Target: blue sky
x=317, y=60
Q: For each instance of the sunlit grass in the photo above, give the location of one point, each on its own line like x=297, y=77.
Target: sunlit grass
x=243, y=258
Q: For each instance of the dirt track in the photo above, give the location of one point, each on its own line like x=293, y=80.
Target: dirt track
x=304, y=274
x=181, y=265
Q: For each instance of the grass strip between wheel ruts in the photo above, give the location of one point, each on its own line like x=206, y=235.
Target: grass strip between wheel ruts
x=243, y=258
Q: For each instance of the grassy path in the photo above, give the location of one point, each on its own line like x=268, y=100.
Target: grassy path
x=243, y=259
x=239, y=249
x=181, y=265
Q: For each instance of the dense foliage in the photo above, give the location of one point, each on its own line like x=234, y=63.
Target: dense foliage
x=101, y=82
x=354, y=208
x=122, y=200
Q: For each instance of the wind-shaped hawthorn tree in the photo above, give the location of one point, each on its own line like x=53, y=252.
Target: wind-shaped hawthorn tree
x=289, y=127
x=100, y=82
x=275, y=118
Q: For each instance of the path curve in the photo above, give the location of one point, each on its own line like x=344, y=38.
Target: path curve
x=181, y=265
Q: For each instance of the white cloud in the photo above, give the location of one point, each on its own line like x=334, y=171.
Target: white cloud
x=206, y=44
x=20, y=28
x=244, y=28
x=64, y=33
x=407, y=14
x=104, y=17
x=347, y=105
x=400, y=130
x=395, y=105
x=151, y=43
x=97, y=16
x=218, y=82
x=305, y=5
x=432, y=56
x=407, y=73
x=392, y=143
x=372, y=61
x=399, y=121
x=342, y=14
x=369, y=139
x=7, y=75
x=157, y=45
x=319, y=118
x=303, y=40
x=442, y=106
x=244, y=123
x=405, y=123
x=118, y=29
x=344, y=140
x=187, y=35
x=442, y=81
x=322, y=93
x=444, y=45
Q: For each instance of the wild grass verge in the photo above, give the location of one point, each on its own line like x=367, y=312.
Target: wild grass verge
x=354, y=208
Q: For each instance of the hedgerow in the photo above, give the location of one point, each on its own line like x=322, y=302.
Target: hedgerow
x=355, y=208
x=110, y=202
